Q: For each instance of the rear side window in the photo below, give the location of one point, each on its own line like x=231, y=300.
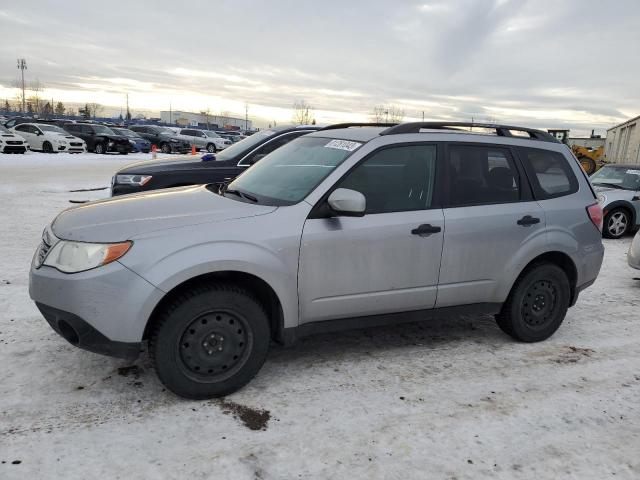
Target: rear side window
x=481, y=175
x=549, y=172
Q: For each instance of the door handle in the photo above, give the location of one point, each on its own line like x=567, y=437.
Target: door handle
x=425, y=229
x=528, y=220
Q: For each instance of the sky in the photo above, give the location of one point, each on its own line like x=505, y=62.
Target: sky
x=547, y=64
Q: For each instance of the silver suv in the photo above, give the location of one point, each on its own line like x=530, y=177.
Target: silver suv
x=346, y=227
x=204, y=139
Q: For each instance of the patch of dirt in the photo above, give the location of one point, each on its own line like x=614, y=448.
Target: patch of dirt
x=252, y=418
x=132, y=370
x=573, y=354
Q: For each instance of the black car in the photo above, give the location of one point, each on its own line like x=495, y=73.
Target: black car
x=138, y=143
x=219, y=168
x=163, y=138
x=99, y=139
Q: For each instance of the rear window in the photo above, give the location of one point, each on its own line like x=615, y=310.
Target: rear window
x=549, y=172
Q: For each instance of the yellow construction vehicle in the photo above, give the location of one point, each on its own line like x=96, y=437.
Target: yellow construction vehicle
x=590, y=158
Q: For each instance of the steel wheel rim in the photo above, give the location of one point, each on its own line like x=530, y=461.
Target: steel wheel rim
x=165, y=149
x=214, y=346
x=211, y=149
x=539, y=304
x=99, y=148
x=617, y=224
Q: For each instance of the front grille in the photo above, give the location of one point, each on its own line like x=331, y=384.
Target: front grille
x=76, y=144
x=14, y=142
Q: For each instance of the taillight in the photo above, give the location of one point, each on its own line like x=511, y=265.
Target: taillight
x=595, y=214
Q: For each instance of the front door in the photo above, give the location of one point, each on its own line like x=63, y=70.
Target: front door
x=489, y=216
x=386, y=261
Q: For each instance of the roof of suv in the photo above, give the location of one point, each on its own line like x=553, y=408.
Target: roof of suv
x=367, y=132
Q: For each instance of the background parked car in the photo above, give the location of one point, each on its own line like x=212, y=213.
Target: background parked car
x=49, y=138
x=162, y=137
x=222, y=168
x=100, y=139
x=618, y=188
x=204, y=139
x=138, y=143
x=11, y=143
x=633, y=257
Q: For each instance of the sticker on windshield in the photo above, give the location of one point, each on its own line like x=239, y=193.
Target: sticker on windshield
x=343, y=145
x=633, y=172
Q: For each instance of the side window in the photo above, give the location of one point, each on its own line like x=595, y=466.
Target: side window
x=35, y=130
x=87, y=129
x=189, y=133
x=22, y=128
x=70, y=127
x=481, y=175
x=549, y=172
x=397, y=179
x=269, y=147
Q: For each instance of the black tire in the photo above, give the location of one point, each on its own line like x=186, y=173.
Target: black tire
x=124, y=153
x=165, y=148
x=616, y=223
x=588, y=165
x=211, y=148
x=537, y=304
x=47, y=147
x=100, y=148
x=209, y=341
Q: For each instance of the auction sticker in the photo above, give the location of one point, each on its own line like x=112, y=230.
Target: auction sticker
x=343, y=145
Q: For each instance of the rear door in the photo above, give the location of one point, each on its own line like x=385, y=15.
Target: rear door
x=386, y=261
x=489, y=214
x=25, y=132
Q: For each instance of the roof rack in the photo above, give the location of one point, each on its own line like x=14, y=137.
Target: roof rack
x=501, y=130
x=336, y=126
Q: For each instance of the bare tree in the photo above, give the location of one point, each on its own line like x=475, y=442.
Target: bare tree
x=225, y=117
x=7, y=107
x=36, y=87
x=94, y=109
x=207, y=116
x=387, y=114
x=302, y=113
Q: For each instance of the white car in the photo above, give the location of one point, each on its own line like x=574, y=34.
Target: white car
x=204, y=139
x=49, y=138
x=11, y=143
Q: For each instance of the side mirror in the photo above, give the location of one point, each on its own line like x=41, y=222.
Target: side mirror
x=348, y=203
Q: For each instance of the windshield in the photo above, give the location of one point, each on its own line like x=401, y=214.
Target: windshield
x=291, y=172
x=211, y=134
x=244, y=145
x=102, y=130
x=51, y=128
x=618, y=177
x=126, y=132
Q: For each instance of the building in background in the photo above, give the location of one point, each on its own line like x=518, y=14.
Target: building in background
x=593, y=142
x=623, y=142
x=202, y=120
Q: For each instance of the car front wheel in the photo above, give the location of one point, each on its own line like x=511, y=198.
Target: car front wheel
x=99, y=148
x=537, y=304
x=47, y=147
x=616, y=223
x=211, y=148
x=165, y=148
x=209, y=341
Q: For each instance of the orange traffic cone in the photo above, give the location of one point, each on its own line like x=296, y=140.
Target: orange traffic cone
x=154, y=151
x=193, y=149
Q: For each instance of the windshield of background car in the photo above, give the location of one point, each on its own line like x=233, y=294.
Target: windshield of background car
x=165, y=131
x=290, y=173
x=622, y=177
x=102, y=130
x=211, y=134
x=126, y=132
x=244, y=145
x=52, y=128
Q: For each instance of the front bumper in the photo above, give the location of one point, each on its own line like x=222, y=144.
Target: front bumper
x=104, y=310
x=633, y=257
x=120, y=148
x=4, y=148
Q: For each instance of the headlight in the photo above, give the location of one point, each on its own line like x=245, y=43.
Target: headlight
x=61, y=141
x=73, y=257
x=132, y=142
x=110, y=143
x=138, y=180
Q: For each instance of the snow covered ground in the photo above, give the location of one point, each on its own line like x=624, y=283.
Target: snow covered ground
x=444, y=399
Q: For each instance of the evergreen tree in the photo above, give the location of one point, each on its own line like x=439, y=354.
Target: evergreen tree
x=60, y=108
x=7, y=107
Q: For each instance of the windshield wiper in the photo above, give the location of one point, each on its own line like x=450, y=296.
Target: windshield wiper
x=612, y=185
x=240, y=194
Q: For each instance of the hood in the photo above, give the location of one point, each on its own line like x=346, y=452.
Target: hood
x=122, y=218
x=149, y=167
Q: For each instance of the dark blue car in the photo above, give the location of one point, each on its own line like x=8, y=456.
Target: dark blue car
x=138, y=144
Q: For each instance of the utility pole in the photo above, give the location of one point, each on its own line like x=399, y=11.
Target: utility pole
x=22, y=66
x=170, y=115
x=128, y=117
x=423, y=115
x=246, y=117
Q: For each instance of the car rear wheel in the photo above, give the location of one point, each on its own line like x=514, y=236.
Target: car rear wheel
x=616, y=223
x=210, y=341
x=165, y=148
x=100, y=148
x=211, y=148
x=47, y=147
x=537, y=304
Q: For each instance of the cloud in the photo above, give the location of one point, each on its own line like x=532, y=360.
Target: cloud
x=533, y=62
